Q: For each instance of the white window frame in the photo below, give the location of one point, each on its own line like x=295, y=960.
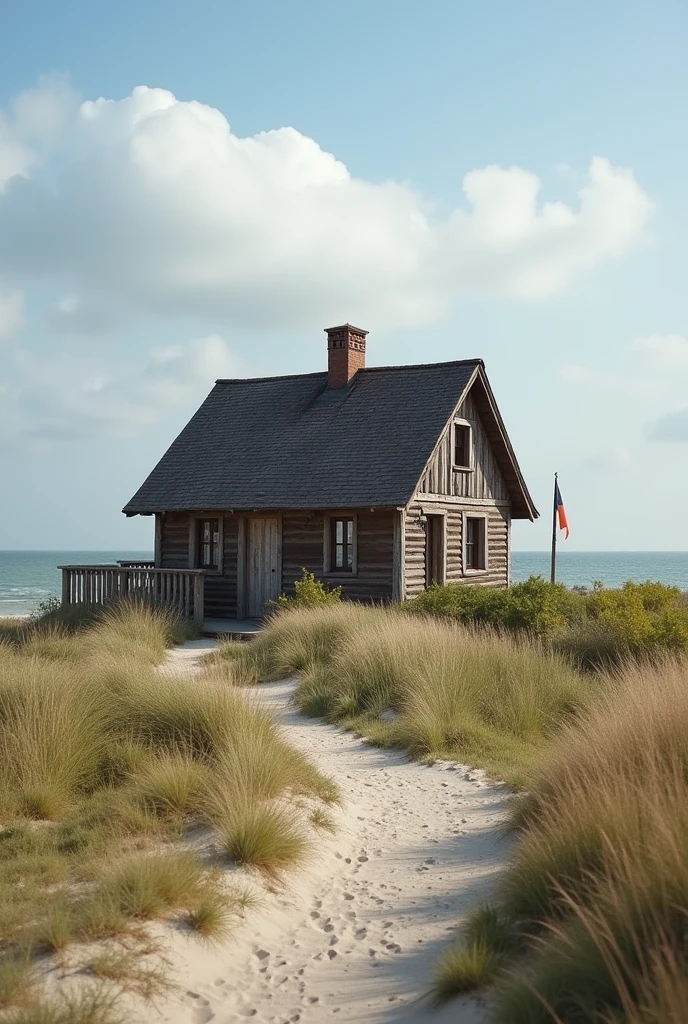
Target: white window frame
x=458, y=422
x=466, y=571
x=340, y=574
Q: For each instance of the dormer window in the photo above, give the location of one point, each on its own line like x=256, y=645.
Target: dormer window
x=462, y=445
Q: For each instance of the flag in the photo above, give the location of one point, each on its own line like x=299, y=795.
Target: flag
x=560, y=510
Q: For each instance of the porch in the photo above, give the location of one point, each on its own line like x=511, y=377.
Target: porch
x=181, y=590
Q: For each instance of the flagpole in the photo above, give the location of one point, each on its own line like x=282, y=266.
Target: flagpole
x=553, y=564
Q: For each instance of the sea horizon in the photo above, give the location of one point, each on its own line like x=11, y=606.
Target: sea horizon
x=31, y=576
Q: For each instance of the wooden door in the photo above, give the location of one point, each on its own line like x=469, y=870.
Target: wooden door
x=263, y=576
x=434, y=550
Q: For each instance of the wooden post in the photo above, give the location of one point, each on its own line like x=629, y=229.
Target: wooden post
x=65, y=587
x=553, y=563
x=199, y=582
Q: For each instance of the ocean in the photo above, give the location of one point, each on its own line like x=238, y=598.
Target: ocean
x=29, y=577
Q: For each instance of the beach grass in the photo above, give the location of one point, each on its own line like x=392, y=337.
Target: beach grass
x=107, y=768
x=435, y=688
x=592, y=915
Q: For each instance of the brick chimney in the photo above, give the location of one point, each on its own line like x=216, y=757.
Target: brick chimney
x=346, y=346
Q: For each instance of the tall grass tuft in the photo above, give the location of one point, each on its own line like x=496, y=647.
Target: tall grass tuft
x=270, y=838
x=487, y=698
x=597, y=891
x=105, y=763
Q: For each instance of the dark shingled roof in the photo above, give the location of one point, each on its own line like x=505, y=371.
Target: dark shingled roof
x=293, y=442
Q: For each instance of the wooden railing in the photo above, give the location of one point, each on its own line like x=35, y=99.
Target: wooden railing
x=178, y=589
x=141, y=564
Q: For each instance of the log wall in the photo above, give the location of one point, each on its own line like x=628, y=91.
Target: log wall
x=220, y=589
x=302, y=542
x=498, y=553
x=303, y=537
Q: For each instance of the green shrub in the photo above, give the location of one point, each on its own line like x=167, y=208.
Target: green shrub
x=533, y=606
x=309, y=592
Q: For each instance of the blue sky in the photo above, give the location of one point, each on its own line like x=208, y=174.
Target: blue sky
x=503, y=180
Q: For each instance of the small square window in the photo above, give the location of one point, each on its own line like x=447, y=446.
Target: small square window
x=462, y=446
x=474, y=543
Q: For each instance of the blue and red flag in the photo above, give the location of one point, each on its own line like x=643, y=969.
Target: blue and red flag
x=560, y=510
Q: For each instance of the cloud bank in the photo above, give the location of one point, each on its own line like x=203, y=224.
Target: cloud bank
x=66, y=398
x=155, y=204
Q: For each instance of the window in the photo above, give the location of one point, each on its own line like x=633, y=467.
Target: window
x=208, y=544
x=462, y=446
x=474, y=543
x=341, y=544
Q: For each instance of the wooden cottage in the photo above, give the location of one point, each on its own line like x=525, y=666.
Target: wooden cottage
x=378, y=479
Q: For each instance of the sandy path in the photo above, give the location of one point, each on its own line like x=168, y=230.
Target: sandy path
x=356, y=936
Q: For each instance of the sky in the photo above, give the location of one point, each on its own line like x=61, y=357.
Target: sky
x=192, y=191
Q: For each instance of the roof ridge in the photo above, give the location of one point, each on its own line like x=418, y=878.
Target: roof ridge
x=279, y=376
x=365, y=369
x=424, y=366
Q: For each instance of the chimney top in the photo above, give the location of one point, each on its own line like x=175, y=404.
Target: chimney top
x=346, y=346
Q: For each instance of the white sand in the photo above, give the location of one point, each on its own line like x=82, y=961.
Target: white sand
x=356, y=936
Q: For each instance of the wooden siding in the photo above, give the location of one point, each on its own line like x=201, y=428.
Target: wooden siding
x=498, y=554
x=303, y=536
x=220, y=590
x=484, y=482
x=174, y=541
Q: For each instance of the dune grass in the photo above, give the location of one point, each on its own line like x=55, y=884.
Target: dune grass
x=488, y=699
x=107, y=768
x=593, y=905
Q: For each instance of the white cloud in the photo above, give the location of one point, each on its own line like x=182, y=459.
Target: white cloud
x=11, y=313
x=34, y=123
x=664, y=350
x=70, y=398
x=158, y=205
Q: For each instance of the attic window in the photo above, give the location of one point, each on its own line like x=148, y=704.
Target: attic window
x=462, y=446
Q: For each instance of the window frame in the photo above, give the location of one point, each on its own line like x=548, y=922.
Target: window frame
x=485, y=567
x=465, y=467
x=329, y=546
x=195, y=545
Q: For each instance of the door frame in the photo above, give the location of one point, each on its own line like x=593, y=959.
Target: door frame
x=243, y=561
x=439, y=521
